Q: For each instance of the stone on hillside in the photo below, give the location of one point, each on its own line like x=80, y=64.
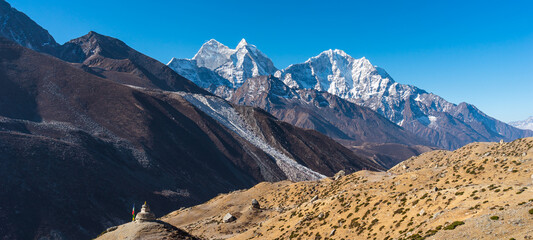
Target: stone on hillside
x=228, y=218
x=340, y=174
x=314, y=198
x=332, y=232
x=255, y=204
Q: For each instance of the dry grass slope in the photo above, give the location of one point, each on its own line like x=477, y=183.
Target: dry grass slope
x=481, y=191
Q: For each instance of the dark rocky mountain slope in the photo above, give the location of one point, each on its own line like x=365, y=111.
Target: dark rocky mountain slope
x=20, y=28
x=111, y=58
x=85, y=148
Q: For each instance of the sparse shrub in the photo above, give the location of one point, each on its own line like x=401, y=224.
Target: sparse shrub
x=454, y=225
x=494, y=218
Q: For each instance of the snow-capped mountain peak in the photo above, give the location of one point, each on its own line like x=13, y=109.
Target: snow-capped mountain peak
x=338, y=73
x=213, y=54
x=357, y=80
x=331, y=53
x=242, y=44
x=233, y=65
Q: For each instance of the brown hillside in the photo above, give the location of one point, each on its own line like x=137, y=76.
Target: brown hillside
x=480, y=191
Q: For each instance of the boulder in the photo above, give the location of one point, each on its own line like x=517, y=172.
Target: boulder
x=338, y=175
x=228, y=218
x=255, y=204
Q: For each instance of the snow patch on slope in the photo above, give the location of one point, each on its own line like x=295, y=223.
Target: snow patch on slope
x=225, y=114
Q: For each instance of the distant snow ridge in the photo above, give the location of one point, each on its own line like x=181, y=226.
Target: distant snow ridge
x=224, y=113
x=231, y=66
x=423, y=113
x=524, y=124
x=359, y=81
x=222, y=70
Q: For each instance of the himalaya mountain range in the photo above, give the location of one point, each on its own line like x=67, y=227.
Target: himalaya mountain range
x=92, y=125
x=435, y=121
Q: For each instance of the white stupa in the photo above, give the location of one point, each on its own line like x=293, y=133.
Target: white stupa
x=145, y=214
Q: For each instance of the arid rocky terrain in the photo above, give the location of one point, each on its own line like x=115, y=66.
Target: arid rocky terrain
x=480, y=191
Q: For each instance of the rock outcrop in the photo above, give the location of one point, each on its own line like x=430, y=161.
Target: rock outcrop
x=228, y=218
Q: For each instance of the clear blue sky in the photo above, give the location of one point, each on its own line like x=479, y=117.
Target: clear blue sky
x=479, y=52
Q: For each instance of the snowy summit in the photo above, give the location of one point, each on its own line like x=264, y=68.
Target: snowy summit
x=233, y=65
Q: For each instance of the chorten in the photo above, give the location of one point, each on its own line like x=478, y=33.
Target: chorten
x=145, y=214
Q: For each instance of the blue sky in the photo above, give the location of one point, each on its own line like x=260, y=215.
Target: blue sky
x=479, y=52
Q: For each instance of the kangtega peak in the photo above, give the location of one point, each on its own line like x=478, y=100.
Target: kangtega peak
x=427, y=115
x=231, y=66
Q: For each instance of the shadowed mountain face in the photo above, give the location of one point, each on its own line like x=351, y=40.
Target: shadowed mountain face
x=112, y=59
x=21, y=29
x=307, y=147
x=87, y=148
x=99, y=147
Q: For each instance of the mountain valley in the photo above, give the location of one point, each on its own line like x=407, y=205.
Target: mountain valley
x=227, y=146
